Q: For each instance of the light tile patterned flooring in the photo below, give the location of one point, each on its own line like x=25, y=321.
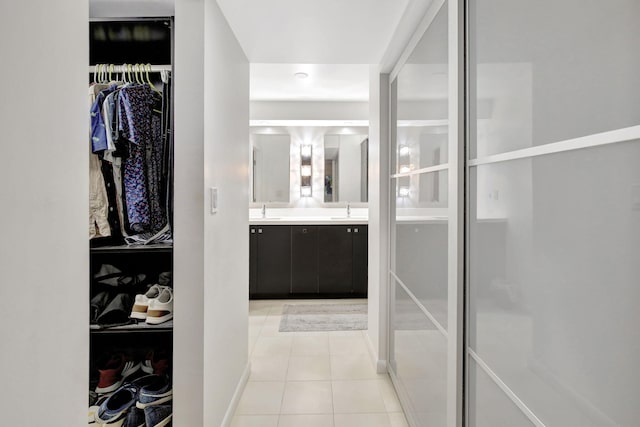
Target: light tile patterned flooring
x=312, y=379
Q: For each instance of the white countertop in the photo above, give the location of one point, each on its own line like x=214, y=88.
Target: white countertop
x=308, y=220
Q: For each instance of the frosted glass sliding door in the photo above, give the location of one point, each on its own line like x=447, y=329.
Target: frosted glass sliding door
x=419, y=226
x=553, y=214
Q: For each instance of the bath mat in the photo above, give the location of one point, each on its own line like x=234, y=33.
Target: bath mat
x=323, y=317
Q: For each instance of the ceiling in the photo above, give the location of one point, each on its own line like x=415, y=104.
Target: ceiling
x=325, y=82
x=333, y=41
x=314, y=31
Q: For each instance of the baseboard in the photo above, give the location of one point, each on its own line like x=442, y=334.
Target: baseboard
x=380, y=364
x=233, y=405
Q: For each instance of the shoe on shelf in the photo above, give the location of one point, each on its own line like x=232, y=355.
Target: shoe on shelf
x=156, y=362
x=131, y=367
x=110, y=369
x=141, y=304
x=94, y=405
x=161, y=308
x=114, y=369
x=113, y=411
x=155, y=400
x=120, y=409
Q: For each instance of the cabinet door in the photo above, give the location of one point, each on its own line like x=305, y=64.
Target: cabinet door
x=253, y=260
x=304, y=264
x=360, y=260
x=335, y=259
x=274, y=260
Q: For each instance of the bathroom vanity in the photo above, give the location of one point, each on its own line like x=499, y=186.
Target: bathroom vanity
x=308, y=258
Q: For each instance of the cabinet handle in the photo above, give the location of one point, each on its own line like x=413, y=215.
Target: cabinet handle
x=259, y=230
x=355, y=230
x=253, y=231
x=305, y=231
x=348, y=230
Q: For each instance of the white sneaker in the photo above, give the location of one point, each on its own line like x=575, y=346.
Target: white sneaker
x=161, y=308
x=141, y=304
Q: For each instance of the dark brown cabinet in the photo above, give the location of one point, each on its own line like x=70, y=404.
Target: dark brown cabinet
x=270, y=255
x=336, y=259
x=304, y=259
x=293, y=261
x=360, y=238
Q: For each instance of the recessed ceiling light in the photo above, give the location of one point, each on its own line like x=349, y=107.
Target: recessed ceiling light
x=300, y=75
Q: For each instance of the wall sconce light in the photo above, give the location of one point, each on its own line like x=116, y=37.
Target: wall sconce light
x=305, y=170
x=305, y=152
x=403, y=191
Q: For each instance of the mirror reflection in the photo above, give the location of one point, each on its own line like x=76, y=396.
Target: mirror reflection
x=346, y=168
x=419, y=148
x=270, y=161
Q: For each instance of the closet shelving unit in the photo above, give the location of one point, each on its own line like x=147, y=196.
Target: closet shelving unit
x=150, y=42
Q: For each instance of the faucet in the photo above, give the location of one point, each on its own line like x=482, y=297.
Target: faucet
x=264, y=210
x=348, y=210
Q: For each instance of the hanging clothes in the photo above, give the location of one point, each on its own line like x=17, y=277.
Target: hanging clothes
x=98, y=201
x=130, y=142
x=135, y=125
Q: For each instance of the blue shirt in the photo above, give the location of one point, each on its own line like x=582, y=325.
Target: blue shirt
x=98, y=130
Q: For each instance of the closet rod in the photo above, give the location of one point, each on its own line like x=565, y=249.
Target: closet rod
x=117, y=68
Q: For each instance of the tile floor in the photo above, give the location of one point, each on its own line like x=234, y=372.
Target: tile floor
x=312, y=379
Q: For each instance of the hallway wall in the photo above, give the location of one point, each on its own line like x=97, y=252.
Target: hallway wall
x=211, y=255
x=44, y=250
x=226, y=250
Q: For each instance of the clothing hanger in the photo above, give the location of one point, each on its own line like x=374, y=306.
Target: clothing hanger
x=164, y=76
x=139, y=75
x=147, y=68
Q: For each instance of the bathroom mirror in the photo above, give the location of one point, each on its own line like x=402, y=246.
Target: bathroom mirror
x=270, y=168
x=346, y=168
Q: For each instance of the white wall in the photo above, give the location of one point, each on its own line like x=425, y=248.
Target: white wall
x=189, y=202
x=378, y=215
x=44, y=250
x=211, y=253
x=226, y=157
x=309, y=110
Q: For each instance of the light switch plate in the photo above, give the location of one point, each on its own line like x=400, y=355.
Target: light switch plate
x=214, y=200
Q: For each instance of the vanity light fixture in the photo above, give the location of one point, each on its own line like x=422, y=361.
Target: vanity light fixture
x=305, y=170
x=305, y=151
x=305, y=191
x=403, y=191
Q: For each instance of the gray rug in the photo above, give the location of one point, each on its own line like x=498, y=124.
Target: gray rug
x=323, y=317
